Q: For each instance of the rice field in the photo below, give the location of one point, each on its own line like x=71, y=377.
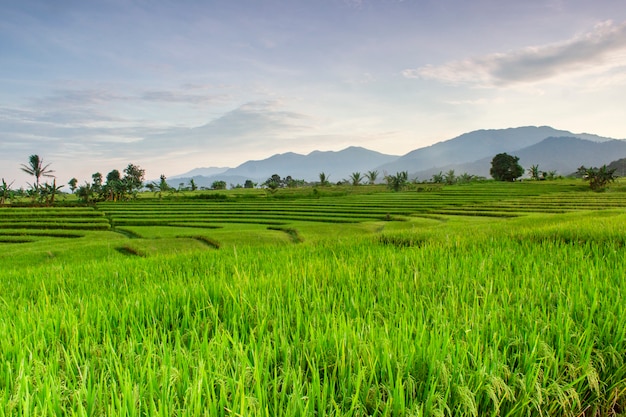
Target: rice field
x=486, y=299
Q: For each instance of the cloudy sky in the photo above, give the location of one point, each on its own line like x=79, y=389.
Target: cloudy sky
x=171, y=85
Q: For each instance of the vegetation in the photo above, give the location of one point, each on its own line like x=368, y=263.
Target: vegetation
x=399, y=181
x=505, y=167
x=482, y=299
x=598, y=178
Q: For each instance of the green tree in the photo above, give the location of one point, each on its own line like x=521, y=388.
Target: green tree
x=399, y=181
x=249, y=184
x=534, y=172
x=598, y=178
x=437, y=178
x=72, y=183
x=505, y=167
x=192, y=185
x=6, y=193
x=133, y=179
x=48, y=192
x=85, y=192
x=450, y=177
x=324, y=179
x=161, y=187
x=273, y=183
x=114, y=189
x=218, y=185
x=371, y=176
x=37, y=169
x=356, y=178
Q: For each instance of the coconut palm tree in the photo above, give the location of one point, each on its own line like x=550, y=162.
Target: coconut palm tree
x=372, y=176
x=37, y=169
x=355, y=178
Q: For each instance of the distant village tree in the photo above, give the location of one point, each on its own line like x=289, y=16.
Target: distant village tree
x=598, y=178
x=505, y=167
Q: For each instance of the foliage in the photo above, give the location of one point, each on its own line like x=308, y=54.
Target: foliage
x=73, y=184
x=249, y=184
x=192, y=185
x=534, y=172
x=6, y=193
x=161, y=187
x=37, y=169
x=505, y=167
x=399, y=181
x=133, y=179
x=598, y=178
x=437, y=178
x=324, y=179
x=218, y=185
x=450, y=177
x=355, y=178
x=371, y=176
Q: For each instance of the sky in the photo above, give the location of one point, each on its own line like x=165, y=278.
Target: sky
x=171, y=85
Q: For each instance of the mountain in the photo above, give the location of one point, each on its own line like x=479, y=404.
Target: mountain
x=474, y=146
x=337, y=165
x=201, y=172
x=551, y=149
x=561, y=154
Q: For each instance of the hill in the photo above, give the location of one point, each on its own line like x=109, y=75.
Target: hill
x=475, y=146
x=561, y=154
x=551, y=149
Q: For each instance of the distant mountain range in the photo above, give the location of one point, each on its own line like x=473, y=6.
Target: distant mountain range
x=551, y=149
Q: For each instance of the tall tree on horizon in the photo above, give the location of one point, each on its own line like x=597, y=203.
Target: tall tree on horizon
x=37, y=169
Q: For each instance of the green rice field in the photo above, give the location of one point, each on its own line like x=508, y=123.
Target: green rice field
x=485, y=299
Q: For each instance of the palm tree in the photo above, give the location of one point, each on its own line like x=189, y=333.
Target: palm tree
x=37, y=169
x=356, y=178
x=371, y=176
x=323, y=179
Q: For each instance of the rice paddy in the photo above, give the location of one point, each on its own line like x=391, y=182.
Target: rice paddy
x=482, y=299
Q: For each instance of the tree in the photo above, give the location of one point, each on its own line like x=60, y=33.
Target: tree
x=534, y=172
x=114, y=188
x=133, y=179
x=273, y=183
x=6, y=193
x=218, y=185
x=161, y=187
x=72, y=183
x=399, y=181
x=85, y=192
x=450, y=177
x=437, y=178
x=356, y=178
x=192, y=185
x=324, y=179
x=505, y=167
x=598, y=178
x=48, y=192
x=37, y=169
x=371, y=176
x=249, y=184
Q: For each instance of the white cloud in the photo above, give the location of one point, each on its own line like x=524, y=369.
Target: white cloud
x=597, y=50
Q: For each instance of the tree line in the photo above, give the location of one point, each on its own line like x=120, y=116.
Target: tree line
x=117, y=186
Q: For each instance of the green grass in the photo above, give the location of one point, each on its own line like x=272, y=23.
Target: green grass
x=426, y=315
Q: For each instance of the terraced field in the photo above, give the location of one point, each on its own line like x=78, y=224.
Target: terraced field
x=152, y=226
x=486, y=299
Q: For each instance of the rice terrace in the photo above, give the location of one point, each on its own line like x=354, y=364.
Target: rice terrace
x=481, y=299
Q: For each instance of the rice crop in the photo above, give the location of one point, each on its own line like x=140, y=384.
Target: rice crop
x=436, y=315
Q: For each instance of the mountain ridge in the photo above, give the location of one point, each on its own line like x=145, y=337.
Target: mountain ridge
x=551, y=149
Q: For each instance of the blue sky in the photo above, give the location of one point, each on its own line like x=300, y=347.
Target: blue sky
x=174, y=85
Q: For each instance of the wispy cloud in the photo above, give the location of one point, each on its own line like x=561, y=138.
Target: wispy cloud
x=588, y=51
